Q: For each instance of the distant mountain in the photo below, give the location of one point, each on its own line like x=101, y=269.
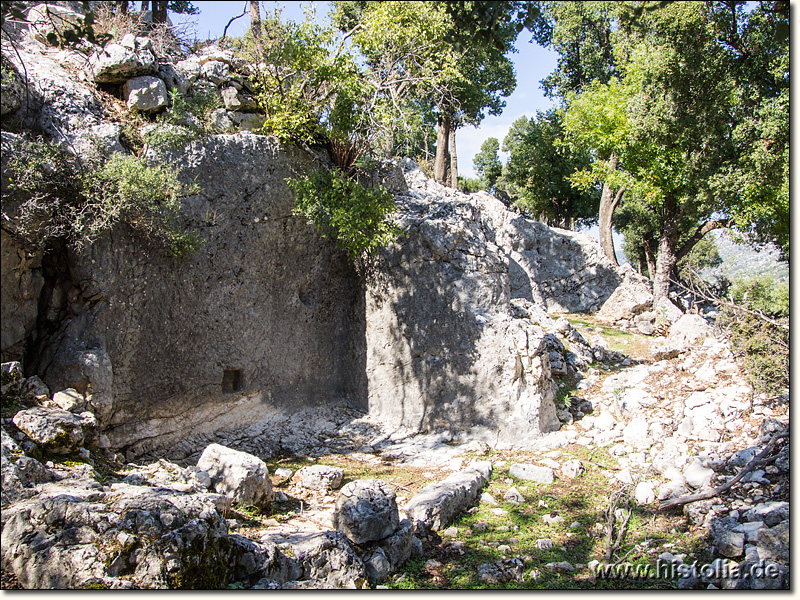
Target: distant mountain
x=742, y=260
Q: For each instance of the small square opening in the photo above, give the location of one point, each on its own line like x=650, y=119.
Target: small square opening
x=231, y=380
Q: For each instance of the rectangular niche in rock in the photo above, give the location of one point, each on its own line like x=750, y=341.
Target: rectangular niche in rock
x=231, y=380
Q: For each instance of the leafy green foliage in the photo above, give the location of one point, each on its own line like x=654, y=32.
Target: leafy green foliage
x=539, y=167
x=187, y=119
x=63, y=201
x=487, y=163
x=763, y=345
x=359, y=219
x=581, y=33
x=470, y=185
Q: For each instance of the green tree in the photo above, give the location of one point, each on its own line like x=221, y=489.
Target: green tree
x=460, y=83
x=539, y=167
x=487, y=163
x=678, y=137
x=597, y=121
x=581, y=33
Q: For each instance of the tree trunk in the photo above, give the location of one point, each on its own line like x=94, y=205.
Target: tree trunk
x=667, y=251
x=255, y=27
x=608, y=203
x=651, y=260
x=453, y=160
x=145, y=5
x=159, y=11
x=442, y=140
x=122, y=6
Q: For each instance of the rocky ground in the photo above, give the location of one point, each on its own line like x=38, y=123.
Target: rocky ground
x=636, y=433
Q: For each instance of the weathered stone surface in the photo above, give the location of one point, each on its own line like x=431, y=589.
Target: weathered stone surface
x=443, y=352
x=696, y=475
x=116, y=64
x=633, y=296
x=239, y=330
x=688, y=331
x=391, y=552
x=241, y=476
x=174, y=78
x=771, y=513
x=635, y=432
x=57, y=430
x=329, y=558
x=234, y=100
x=366, y=511
x=773, y=543
x=532, y=473
x=644, y=493
x=323, y=478
x=22, y=283
x=88, y=538
x=666, y=311
x=247, y=121
x=145, y=94
x=436, y=505
x=513, y=496
x=69, y=400
x=217, y=72
x=573, y=468
x=44, y=19
x=728, y=540
x=501, y=572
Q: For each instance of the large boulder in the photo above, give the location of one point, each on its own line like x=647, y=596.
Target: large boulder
x=128, y=537
x=116, y=63
x=56, y=430
x=366, y=511
x=239, y=475
x=688, y=331
x=633, y=297
x=145, y=94
x=437, y=503
x=322, y=478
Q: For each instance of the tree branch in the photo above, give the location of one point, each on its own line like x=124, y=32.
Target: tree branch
x=616, y=200
x=716, y=299
x=225, y=31
x=761, y=459
x=701, y=231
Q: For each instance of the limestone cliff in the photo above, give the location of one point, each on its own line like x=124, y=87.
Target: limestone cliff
x=267, y=336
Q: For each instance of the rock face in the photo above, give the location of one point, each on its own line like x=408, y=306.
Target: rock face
x=266, y=339
x=443, y=351
x=230, y=340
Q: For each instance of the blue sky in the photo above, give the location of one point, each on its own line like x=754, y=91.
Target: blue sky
x=532, y=63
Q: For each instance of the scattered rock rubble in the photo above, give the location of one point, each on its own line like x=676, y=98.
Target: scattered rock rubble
x=675, y=426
